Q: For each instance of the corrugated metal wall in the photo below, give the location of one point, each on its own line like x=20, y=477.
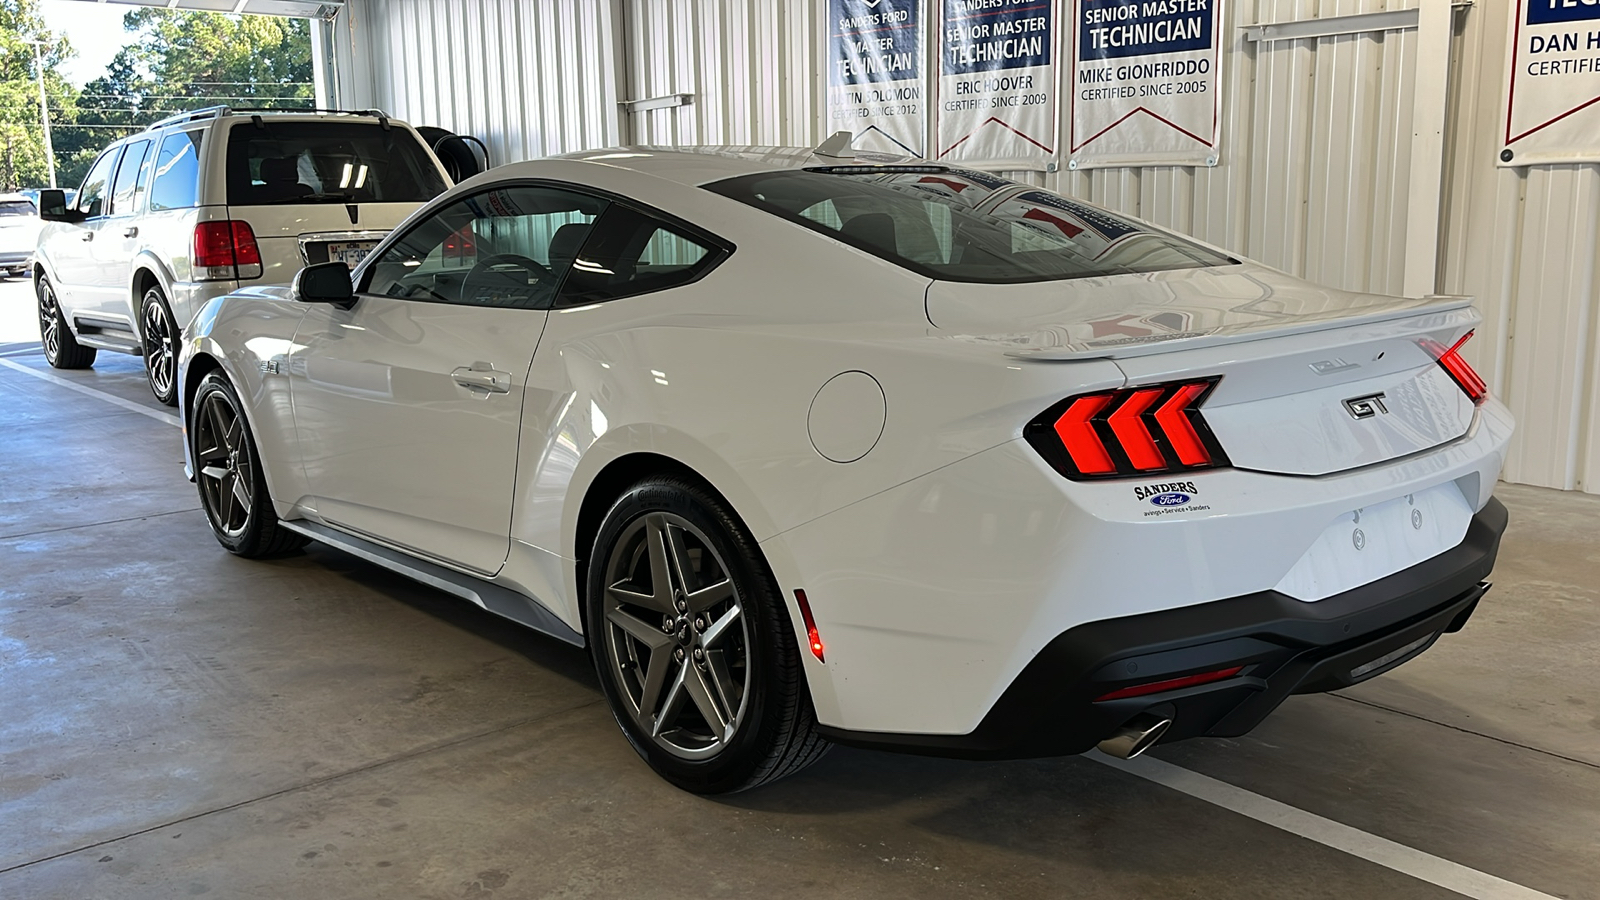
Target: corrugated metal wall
x=1316, y=153
x=1314, y=172
x=751, y=65
x=530, y=79
x=1525, y=242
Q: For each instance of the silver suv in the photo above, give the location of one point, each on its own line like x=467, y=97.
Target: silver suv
x=206, y=202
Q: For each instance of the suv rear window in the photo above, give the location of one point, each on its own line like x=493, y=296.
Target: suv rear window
x=327, y=162
x=961, y=225
x=16, y=208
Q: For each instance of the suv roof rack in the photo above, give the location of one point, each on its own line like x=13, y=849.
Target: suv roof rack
x=212, y=112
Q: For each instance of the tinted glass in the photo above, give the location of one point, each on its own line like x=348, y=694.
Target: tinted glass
x=328, y=162
x=177, y=175
x=961, y=225
x=633, y=253
x=124, y=201
x=16, y=208
x=97, y=185
x=506, y=247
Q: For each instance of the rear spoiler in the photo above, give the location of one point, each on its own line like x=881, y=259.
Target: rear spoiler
x=1049, y=345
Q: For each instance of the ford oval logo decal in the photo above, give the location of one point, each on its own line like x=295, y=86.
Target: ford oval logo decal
x=1171, y=498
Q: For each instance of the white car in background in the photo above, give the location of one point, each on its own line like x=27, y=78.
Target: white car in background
x=208, y=201
x=19, y=232
x=863, y=450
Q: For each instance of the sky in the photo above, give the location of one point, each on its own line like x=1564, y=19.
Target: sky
x=95, y=30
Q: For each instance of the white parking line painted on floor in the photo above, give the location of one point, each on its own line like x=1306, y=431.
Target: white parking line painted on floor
x=113, y=399
x=1423, y=866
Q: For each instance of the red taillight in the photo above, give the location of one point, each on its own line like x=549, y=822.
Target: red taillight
x=1132, y=433
x=221, y=249
x=811, y=625
x=1459, y=370
x=459, y=246
x=245, y=251
x=1145, y=430
x=1171, y=684
x=213, y=244
x=1076, y=430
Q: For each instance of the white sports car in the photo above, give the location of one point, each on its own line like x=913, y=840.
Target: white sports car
x=808, y=447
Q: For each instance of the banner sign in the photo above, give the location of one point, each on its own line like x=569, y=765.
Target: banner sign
x=1145, y=87
x=875, y=85
x=997, y=82
x=1553, y=86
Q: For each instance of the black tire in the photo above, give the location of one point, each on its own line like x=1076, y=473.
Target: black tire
x=159, y=334
x=233, y=489
x=771, y=731
x=61, y=347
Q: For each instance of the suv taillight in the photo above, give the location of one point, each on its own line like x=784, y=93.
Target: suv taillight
x=225, y=250
x=1457, y=367
x=1146, y=430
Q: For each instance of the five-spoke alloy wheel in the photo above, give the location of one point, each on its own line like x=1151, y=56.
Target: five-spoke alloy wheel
x=232, y=488
x=693, y=642
x=675, y=636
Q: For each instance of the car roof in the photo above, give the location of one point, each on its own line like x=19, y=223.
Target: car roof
x=15, y=197
x=695, y=166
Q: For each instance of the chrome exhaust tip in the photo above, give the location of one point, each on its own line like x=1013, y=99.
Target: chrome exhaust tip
x=1134, y=738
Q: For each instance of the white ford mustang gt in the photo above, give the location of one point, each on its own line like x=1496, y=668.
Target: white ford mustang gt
x=811, y=449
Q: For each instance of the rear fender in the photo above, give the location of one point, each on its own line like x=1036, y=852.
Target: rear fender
x=258, y=370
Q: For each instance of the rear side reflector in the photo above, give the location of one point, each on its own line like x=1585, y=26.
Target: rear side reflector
x=811, y=624
x=1459, y=370
x=1145, y=430
x=1170, y=684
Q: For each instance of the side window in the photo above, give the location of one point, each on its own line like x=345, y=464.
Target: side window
x=507, y=248
x=96, y=188
x=122, y=191
x=634, y=253
x=177, y=172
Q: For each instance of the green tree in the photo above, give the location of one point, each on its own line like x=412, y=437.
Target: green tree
x=22, y=159
x=178, y=60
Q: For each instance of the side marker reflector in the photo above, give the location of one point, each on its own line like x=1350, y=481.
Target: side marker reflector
x=811, y=624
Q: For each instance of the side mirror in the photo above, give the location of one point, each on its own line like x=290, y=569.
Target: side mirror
x=325, y=283
x=53, y=207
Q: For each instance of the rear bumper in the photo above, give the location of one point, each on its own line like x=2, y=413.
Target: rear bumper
x=15, y=259
x=1284, y=646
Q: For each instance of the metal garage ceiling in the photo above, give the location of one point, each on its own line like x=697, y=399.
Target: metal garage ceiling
x=304, y=9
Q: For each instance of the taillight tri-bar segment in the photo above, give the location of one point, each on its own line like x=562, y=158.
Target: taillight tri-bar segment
x=1457, y=367
x=1146, y=430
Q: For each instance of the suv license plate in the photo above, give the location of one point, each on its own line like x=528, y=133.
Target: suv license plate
x=350, y=253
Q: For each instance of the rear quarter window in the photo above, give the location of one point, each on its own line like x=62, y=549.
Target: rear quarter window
x=177, y=177
x=277, y=162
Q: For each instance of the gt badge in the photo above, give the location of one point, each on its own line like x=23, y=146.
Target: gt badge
x=1366, y=407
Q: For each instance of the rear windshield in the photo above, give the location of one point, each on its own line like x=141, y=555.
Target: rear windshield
x=962, y=225
x=16, y=208
x=327, y=162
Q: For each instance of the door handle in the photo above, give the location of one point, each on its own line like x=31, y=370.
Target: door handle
x=88, y=235
x=486, y=380
x=131, y=232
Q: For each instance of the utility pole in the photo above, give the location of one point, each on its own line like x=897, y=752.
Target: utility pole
x=44, y=111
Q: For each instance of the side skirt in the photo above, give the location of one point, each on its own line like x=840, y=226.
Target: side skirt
x=501, y=601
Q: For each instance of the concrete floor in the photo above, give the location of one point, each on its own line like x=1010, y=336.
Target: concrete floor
x=176, y=722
